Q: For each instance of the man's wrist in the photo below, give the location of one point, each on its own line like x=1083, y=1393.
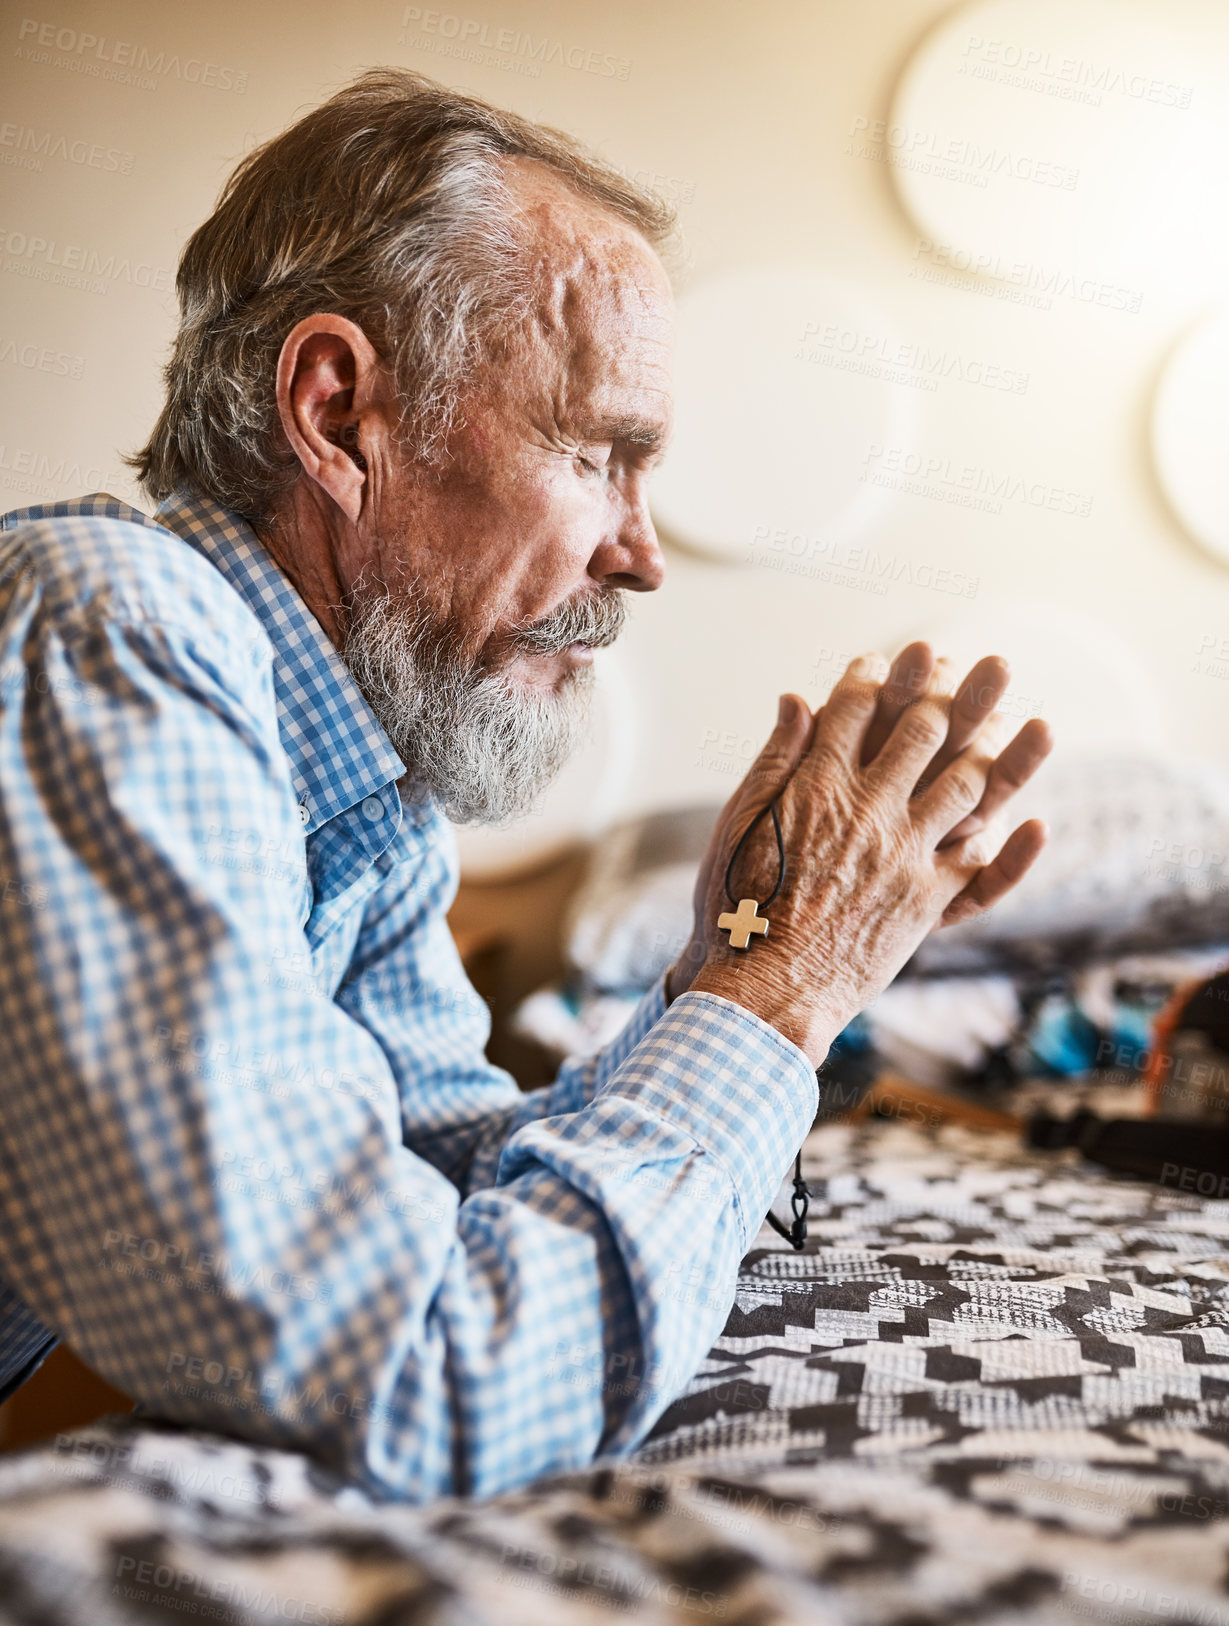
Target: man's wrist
x=681, y=974
x=794, y=1018
x=674, y=986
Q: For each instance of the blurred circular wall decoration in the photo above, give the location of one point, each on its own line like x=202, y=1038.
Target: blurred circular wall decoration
x=587, y=796
x=786, y=378
x=1067, y=146
x=1190, y=432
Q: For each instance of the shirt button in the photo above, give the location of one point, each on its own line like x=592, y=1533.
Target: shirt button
x=373, y=809
x=305, y=814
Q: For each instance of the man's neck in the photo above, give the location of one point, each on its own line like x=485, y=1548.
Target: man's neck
x=299, y=542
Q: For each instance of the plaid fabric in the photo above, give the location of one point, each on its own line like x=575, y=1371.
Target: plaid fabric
x=253, y=1165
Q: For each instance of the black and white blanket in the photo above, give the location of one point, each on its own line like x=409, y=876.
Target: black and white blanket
x=995, y=1388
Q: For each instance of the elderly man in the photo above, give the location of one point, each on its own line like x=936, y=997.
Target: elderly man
x=254, y=1168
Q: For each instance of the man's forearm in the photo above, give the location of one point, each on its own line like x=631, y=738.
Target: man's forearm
x=573, y=1088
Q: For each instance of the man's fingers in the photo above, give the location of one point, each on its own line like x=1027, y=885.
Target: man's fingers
x=951, y=797
x=911, y=747
x=996, y=879
x=906, y=681
x=765, y=778
x=974, y=701
x=841, y=725
x=772, y=769
x=1010, y=772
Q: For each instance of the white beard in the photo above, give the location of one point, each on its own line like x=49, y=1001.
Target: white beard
x=484, y=747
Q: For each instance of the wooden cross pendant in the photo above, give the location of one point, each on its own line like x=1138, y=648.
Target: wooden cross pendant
x=741, y=925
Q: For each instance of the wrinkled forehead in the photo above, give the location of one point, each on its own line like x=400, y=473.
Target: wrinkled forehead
x=603, y=310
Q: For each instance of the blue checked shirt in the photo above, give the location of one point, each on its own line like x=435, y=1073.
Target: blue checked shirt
x=254, y=1167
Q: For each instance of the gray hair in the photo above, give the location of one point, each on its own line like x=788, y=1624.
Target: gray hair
x=388, y=205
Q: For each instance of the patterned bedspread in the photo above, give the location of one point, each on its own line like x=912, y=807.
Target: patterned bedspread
x=994, y=1389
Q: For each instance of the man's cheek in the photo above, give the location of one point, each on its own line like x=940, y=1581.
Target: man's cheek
x=556, y=528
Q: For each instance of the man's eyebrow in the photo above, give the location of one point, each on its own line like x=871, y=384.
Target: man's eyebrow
x=631, y=431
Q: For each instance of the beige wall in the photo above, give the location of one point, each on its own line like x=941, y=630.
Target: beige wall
x=744, y=112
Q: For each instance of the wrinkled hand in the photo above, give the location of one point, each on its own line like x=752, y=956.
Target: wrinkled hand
x=891, y=804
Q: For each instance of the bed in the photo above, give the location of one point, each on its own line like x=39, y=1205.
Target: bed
x=993, y=1388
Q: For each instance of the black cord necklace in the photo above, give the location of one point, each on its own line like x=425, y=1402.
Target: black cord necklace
x=741, y=925
x=738, y=852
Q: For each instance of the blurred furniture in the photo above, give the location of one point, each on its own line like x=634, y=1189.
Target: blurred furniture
x=62, y=1394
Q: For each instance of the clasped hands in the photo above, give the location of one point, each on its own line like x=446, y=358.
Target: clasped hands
x=893, y=799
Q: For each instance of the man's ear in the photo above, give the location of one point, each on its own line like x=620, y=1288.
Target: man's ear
x=328, y=393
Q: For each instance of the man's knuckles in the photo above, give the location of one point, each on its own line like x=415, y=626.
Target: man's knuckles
x=850, y=701
x=956, y=791
x=773, y=766
x=921, y=729
x=962, y=907
x=871, y=669
x=978, y=848
x=777, y=760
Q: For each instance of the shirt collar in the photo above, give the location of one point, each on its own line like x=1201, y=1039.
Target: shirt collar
x=338, y=751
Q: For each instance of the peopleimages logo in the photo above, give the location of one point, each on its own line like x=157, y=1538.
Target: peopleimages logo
x=844, y=564
x=40, y=474
x=41, y=358
x=966, y=484
x=1017, y=280
x=122, y=61
x=832, y=344
x=76, y=265
x=912, y=147
x=1071, y=78
x=469, y=37
x=25, y=147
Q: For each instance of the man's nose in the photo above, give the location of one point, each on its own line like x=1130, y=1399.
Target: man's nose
x=632, y=558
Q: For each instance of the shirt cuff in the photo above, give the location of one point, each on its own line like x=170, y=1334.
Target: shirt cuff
x=740, y=1089
x=581, y=1077
x=650, y=1011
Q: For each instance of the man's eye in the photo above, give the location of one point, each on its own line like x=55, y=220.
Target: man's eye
x=589, y=466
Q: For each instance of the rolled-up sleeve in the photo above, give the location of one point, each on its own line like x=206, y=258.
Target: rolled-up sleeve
x=209, y=1178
